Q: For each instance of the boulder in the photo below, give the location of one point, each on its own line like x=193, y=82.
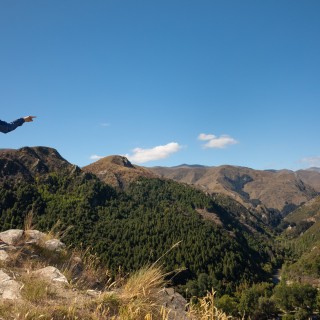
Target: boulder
x=54, y=245
x=9, y=288
x=51, y=274
x=34, y=236
x=12, y=236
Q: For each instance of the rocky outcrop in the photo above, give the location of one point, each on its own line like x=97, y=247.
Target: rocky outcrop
x=9, y=288
x=21, y=250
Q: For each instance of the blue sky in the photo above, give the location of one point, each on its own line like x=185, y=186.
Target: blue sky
x=164, y=82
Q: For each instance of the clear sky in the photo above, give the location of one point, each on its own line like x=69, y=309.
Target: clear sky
x=164, y=82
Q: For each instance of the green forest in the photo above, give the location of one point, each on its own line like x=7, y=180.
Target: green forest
x=158, y=219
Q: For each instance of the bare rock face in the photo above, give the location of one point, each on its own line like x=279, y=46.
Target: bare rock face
x=9, y=288
x=51, y=274
x=12, y=236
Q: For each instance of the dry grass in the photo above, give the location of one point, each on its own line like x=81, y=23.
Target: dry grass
x=84, y=270
x=56, y=232
x=28, y=221
x=134, y=298
x=205, y=309
x=36, y=289
x=140, y=295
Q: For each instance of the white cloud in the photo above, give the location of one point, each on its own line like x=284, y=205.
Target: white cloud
x=205, y=137
x=216, y=142
x=160, y=152
x=95, y=157
x=312, y=161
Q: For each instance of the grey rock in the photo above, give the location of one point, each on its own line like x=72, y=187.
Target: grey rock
x=54, y=245
x=34, y=236
x=51, y=274
x=12, y=236
x=174, y=302
x=9, y=288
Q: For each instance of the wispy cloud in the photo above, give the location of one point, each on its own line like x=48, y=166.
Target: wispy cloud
x=160, y=152
x=312, y=161
x=216, y=142
x=105, y=124
x=95, y=157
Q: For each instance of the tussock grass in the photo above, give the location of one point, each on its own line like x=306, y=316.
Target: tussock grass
x=56, y=232
x=205, y=309
x=141, y=293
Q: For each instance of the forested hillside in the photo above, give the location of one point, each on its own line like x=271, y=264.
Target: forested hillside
x=302, y=236
x=129, y=229
x=205, y=240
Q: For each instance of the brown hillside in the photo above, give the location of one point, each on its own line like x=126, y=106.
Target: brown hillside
x=310, y=177
x=275, y=190
x=117, y=171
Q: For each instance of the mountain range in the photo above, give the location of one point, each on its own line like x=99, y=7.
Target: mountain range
x=270, y=193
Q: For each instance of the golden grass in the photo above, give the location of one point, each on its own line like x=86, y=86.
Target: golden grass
x=36, y=289
x=28, y=221
x=205, y=309
x=140, y=294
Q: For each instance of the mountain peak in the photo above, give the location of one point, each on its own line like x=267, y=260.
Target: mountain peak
x=121, y=161
x=117, y=171
x=28, y=162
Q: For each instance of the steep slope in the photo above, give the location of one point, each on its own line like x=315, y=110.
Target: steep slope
x=303, y=237
x=117, y=171
x=267, y=192
x=304, y=224
x=311, y=177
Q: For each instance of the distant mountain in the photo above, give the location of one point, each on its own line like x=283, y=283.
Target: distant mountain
x=117, y=171
x=271, y=193
x=314, y=169
x=184, y=165
x=311, y=177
